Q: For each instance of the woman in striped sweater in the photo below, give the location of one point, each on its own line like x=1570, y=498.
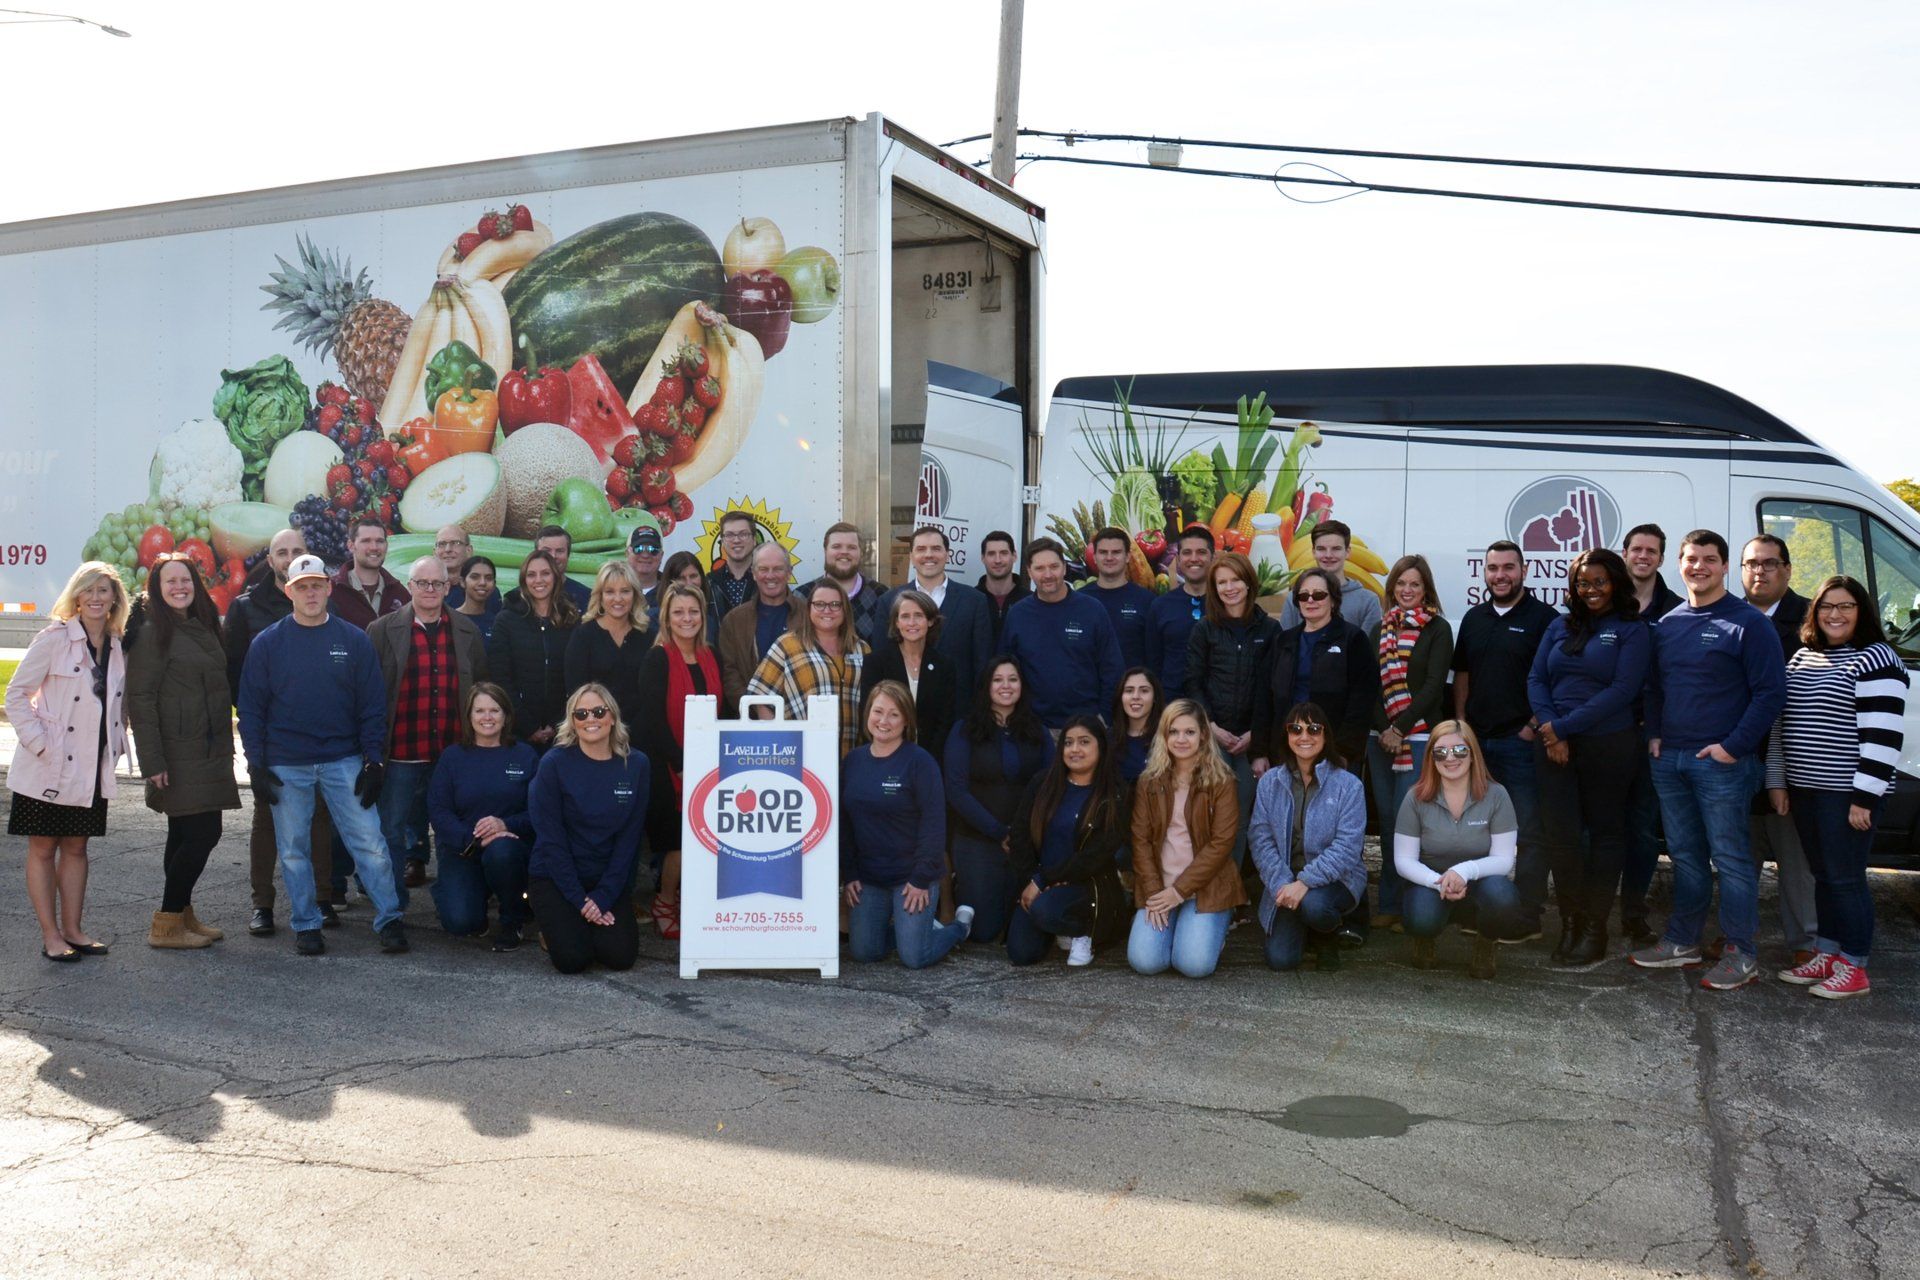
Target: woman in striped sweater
x=1830, y=759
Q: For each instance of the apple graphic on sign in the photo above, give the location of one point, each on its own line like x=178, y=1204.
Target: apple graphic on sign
x=754, y=244
x=814, y=278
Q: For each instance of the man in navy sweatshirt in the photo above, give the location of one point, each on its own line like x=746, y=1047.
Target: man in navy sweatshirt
x=1064, y=642
x=313, y=722
x=1717, y=683
x=1125, y=600
x=1172, y=616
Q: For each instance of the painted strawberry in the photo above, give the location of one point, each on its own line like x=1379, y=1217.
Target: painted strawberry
x=691, y=361
x=625, y=452
x=665, y=516
x=398, y=477
x=380, y=452
x=332, y=393
x=521, y=216
x=619, y=486
x=467, y=242
x=329, y=418
x=671, y=392
x=694, y=414
x=338, y=474
x=706, y=390
x=657, y=484
x=681, y=506
x=682, y=443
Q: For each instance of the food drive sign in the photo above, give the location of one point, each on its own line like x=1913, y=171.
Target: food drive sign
x=760, y=831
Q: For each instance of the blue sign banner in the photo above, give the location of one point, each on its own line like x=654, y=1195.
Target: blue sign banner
x=762, y=811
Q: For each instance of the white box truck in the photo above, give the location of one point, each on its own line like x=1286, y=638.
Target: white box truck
x=737, y=320
x=1443, y=461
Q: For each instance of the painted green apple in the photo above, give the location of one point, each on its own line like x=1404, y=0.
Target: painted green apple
x=814, y=277
x=580, y=507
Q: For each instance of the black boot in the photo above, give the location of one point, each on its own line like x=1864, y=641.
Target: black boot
x=1571, y=927
x=1591, y=946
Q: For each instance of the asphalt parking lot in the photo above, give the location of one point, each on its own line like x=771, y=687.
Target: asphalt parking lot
x=241, y=1111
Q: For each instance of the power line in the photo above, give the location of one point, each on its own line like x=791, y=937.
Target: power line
x=1485, y=195
x=1071, y=138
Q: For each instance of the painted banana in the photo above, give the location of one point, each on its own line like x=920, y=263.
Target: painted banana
x=406, y=393
x=733, y=356
x=494, y=259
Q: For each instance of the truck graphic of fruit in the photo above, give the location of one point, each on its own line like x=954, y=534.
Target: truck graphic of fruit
x=333, y=311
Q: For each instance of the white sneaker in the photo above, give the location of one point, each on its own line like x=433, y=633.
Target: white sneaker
x=1080, y=950
x=963, y=916
x=1062, y=941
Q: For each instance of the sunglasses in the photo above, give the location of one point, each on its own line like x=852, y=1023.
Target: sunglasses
x=1460, y=752
x=1305, y=596
x=582, y=713
x=1305, y=726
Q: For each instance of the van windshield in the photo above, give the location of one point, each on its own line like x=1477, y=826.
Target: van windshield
x=1826, y=538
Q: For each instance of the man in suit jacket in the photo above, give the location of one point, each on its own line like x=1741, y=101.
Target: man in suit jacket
x=966, y=627
x=430, y=657
x=1766, y=575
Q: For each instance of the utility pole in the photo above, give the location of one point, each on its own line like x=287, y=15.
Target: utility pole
x=1006, y=93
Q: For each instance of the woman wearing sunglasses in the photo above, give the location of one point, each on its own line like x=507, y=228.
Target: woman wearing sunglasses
x=1309, y=823
x=1414, y=647
x=1830, y=764
x=1068, y=835
x=1454, y=844
x=1585, y=678
x=477, y=803
x=66, y=701
x=1186, y=815
x=1322, y=659
x=589, y=809
x=181, y=711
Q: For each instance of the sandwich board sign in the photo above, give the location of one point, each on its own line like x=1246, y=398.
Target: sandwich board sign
x=760, y=834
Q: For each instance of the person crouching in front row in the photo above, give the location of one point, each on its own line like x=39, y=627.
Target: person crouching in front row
x=1186, y=817
x=1068, y=833
x=589, y=808
x=1309, y=821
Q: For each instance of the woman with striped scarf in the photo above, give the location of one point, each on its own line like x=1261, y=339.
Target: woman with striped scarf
x=1830, y=762
x=1415, y=648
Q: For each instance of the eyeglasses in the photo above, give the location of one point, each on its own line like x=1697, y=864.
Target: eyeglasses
x=1461, y=752
x=1764, y=566
x=1592, y=588
x=1305, y=726
x=1837, y=606
x=737, y=535
x=428, y=584
x=828, y=606
x=448, y=546
x=582, y=713
x=1305, y=597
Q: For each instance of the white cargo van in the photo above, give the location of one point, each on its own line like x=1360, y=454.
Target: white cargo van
x=1443, y=461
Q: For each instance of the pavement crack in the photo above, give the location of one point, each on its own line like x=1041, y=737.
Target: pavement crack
x=1723, y=1143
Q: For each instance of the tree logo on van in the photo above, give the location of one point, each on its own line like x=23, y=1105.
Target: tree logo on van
x=935, y=488
x=1563, y=515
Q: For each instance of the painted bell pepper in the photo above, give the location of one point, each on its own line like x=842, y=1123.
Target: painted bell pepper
x=535, y=394
x=464, y=418
x=457, y=365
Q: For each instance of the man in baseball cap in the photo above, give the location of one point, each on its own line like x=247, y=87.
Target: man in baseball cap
x=313, y=723
x=644, y=546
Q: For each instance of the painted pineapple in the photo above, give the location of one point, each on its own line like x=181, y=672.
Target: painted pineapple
x=333, y=311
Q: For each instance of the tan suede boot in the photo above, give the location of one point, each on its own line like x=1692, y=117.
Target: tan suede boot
x=193, y=924
x=169, y=931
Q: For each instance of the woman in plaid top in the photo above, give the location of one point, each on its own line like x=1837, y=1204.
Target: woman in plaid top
x=822, y=655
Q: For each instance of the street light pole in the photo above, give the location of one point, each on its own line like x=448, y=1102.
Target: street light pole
x=1006, y=93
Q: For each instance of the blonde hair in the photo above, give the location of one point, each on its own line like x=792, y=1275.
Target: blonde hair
x=68, y=605
x=1209, y=770
x=902, y=699
x=1478, y=779
x=563, y=735
x=669, y=592
x=608, y=572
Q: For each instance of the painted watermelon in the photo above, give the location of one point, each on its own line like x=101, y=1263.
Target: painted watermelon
x=611, y=291
x=599, y=413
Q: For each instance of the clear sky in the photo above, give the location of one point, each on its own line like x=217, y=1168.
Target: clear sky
x=1146, y=271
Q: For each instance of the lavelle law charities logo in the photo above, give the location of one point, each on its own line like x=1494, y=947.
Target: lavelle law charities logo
x=1563, y=515
x=759, y=813
x=935, y=488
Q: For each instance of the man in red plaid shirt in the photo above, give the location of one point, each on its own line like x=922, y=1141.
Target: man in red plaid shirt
x=430, y=656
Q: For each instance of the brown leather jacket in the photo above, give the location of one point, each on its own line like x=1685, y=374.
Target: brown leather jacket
x=1213, y=820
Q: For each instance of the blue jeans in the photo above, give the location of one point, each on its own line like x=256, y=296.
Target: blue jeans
x=880, y=922
x=1704, y=805
x=983, y=880
x=1389, y=792
x=1066, y=911
x=1843, y=902
x=1492, y=906
x=357, y=828
x=1510, y=761
x=1191, y=942
x=1643, y=841
x=403, y=816
x=461, y=890
x=1320, y=913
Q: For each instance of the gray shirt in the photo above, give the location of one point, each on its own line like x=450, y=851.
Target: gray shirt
x=1429, y=840
x=1358, y=605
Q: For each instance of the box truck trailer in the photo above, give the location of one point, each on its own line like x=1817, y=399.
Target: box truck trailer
x=658, y=331
x=1444, y=461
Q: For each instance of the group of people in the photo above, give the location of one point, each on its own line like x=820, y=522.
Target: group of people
x=1025, y=762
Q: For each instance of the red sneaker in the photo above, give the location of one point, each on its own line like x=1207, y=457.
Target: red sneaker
x=1808, y=972
x=1848, y=981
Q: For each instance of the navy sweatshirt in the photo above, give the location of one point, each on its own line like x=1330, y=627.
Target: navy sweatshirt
x=588, y=817
x=1126, y=606
x=1718, y=675
x=1057, y=841
x=1068, y=655
x=1592, y=691
x=471, y=783
x=1170, y=619
x=311, y=695
x=893, y=819
x=984, y=779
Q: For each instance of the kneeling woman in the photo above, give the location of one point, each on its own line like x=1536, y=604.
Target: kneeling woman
x=477, y=803
x=1186, y=816
x=589, y=807
x=1068, y=833
x=1454, y=845
x=893, y=840
x=1309, y=821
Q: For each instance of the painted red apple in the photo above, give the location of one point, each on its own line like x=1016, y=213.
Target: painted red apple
x=761, y=303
